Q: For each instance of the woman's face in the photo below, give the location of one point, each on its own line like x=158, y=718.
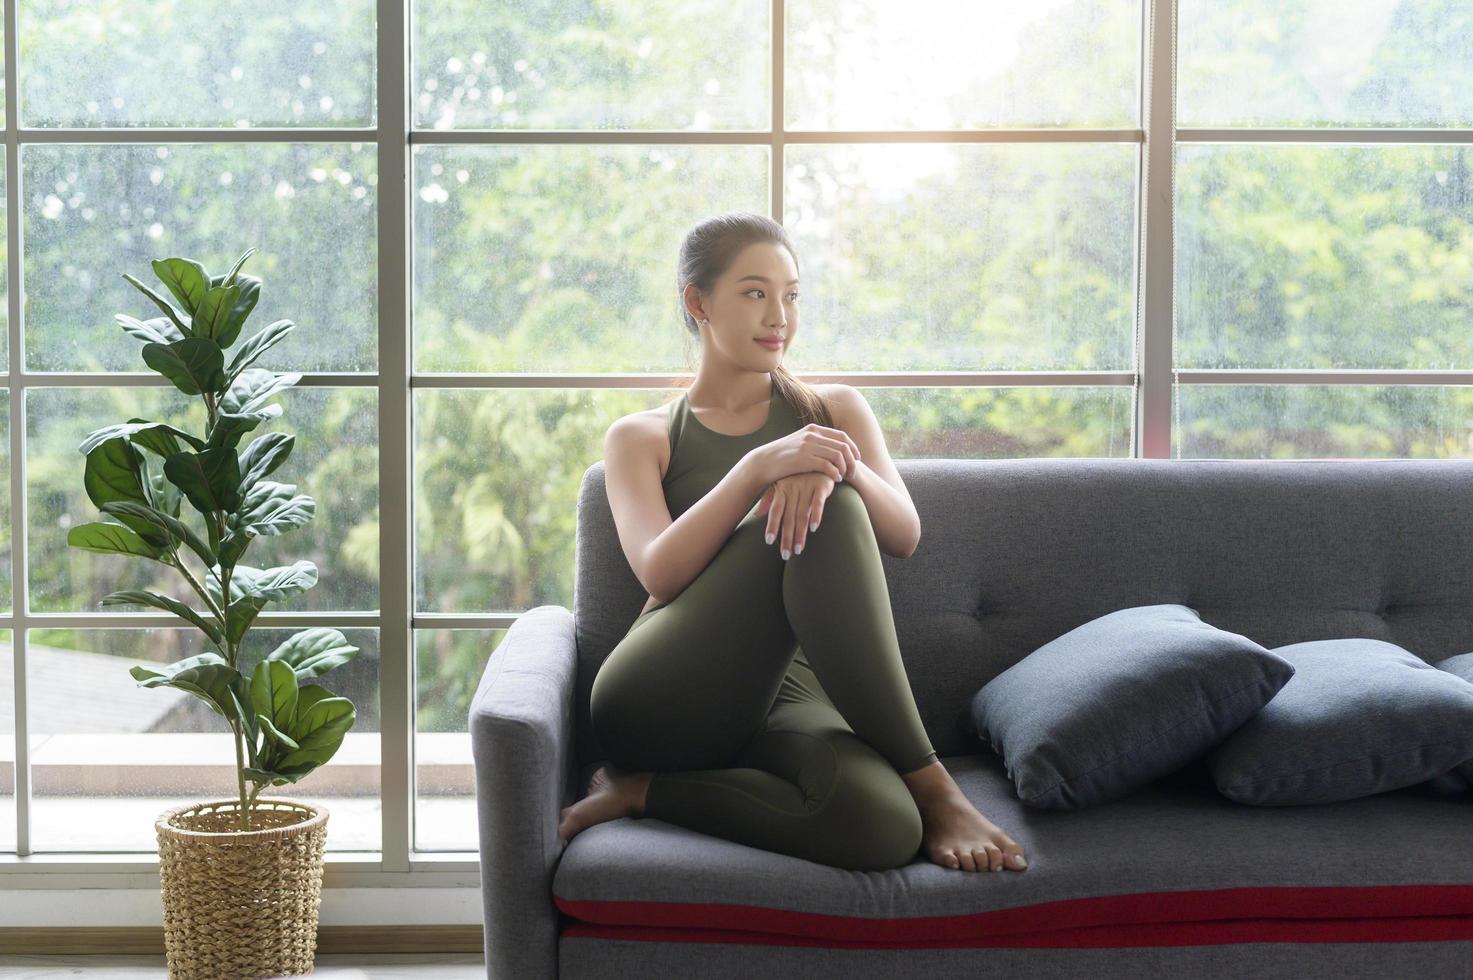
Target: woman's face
x=756, y=299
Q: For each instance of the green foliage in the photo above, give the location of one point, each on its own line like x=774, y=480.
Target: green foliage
x=281, y=733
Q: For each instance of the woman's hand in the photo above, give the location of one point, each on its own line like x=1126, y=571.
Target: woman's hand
x=794, y=506
x=812, y=449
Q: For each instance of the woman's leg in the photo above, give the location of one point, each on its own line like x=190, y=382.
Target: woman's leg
x=693, y=680
x=804, y=786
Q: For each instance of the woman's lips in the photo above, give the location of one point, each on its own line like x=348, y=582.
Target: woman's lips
x=771, y=343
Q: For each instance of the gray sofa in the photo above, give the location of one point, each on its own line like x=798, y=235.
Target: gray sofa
x=1173, y=880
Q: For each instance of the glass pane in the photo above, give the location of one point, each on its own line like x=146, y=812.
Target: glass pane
x=4, y=257
x=496, y=476
x=563, y=258
x=334, y=461
x=191, y=63
x=963, y=257
x=109, y=756
x=1324, y=421
x=1324, y=63
x=1324, y=256
x=448, y=667
x=7, y=591
x=939, y=64
x=93, y=213
x=626, y=64
x=7, y=742
x=1004, y=423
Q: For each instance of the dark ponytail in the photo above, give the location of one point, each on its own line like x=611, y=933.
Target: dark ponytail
x=708, y=250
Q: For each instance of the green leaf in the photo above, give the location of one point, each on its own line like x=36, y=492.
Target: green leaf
x=276, y=734
x=138, y=597
x=112, y=539
x=229, y=277
x=240, y=614
x=157, y=437
x=159, y=330
x=186, y=279
x=245, y=302
x=259, y=343
x=177, y=529
x=115, y=471
x=213, y=315
x=213, y=683
x=240, y=699
x=270, y=508
x=313, y=651
x=276, y=583
x=210, y=479
x=230, y=427
x=274, y=692
x=194, y=364
x=278, y=778
x=162, y=304
x=261, y=458
x=319, y=732
x=153, y=676
x=253, y=387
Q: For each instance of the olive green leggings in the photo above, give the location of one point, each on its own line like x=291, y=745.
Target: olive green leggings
x=713, y=694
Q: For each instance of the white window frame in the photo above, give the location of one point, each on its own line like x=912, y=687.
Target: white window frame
x=1153, y=380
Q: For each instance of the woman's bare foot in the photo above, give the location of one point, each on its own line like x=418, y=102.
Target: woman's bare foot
x=957, y=835
x=612, y=794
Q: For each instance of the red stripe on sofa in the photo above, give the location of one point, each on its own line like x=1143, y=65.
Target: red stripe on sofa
x=1390, y=913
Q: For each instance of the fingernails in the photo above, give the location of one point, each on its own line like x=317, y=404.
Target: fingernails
x=797, y=549
x=1020, y=860
x=785, y=554
x=770, y=536
x=813, y=526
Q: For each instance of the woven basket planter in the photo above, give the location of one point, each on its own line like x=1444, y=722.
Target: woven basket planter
x=239, y=905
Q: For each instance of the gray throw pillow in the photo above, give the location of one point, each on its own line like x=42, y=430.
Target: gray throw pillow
x=1457, y=782
x=1120, y=701
x=1360, y=717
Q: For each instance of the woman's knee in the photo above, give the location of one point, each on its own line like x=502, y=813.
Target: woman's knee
x=871, y=818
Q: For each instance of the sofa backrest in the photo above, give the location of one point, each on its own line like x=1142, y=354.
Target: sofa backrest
x=1014, y=553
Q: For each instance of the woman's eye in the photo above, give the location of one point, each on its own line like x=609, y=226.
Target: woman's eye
x=794, y=296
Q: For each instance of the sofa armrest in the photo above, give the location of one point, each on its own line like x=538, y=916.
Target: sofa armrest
x=521, y=725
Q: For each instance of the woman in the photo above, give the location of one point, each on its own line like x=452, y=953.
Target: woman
x=760, y=696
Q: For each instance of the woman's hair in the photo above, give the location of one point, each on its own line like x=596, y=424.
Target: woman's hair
x=708, y=250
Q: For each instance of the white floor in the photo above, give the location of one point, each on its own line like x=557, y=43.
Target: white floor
x=340, y=966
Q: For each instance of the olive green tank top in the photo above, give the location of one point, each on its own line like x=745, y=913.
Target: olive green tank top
x=700, y=457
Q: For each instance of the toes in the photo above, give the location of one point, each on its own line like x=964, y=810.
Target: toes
x=968, y=863
x=989, y=857
x=1018, y=861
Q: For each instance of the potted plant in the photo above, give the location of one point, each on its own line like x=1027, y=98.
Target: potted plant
x=241, y=878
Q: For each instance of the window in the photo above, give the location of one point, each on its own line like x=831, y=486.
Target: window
x=1005, y=239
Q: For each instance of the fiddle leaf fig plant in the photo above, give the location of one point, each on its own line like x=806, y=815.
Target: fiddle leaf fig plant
x=139, y=473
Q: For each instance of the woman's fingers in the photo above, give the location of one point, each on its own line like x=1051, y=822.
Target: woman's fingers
x=775, y=513
x=816, y=514
x=790, y=515
x=800, y=522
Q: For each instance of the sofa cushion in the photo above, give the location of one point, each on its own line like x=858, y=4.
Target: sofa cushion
x=1120, y=701
x=1174, y=862
x=1457, y=782
x=1361, y=716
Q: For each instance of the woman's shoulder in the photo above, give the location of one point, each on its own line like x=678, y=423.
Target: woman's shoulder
x=840, y=399
x=649, y=432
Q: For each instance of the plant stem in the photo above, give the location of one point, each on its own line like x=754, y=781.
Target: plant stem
x=184, y=570
x=245, y=811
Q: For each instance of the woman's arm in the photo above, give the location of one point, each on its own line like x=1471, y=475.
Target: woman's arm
x=891, y=512
x=667, y=555
x=684, y=549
